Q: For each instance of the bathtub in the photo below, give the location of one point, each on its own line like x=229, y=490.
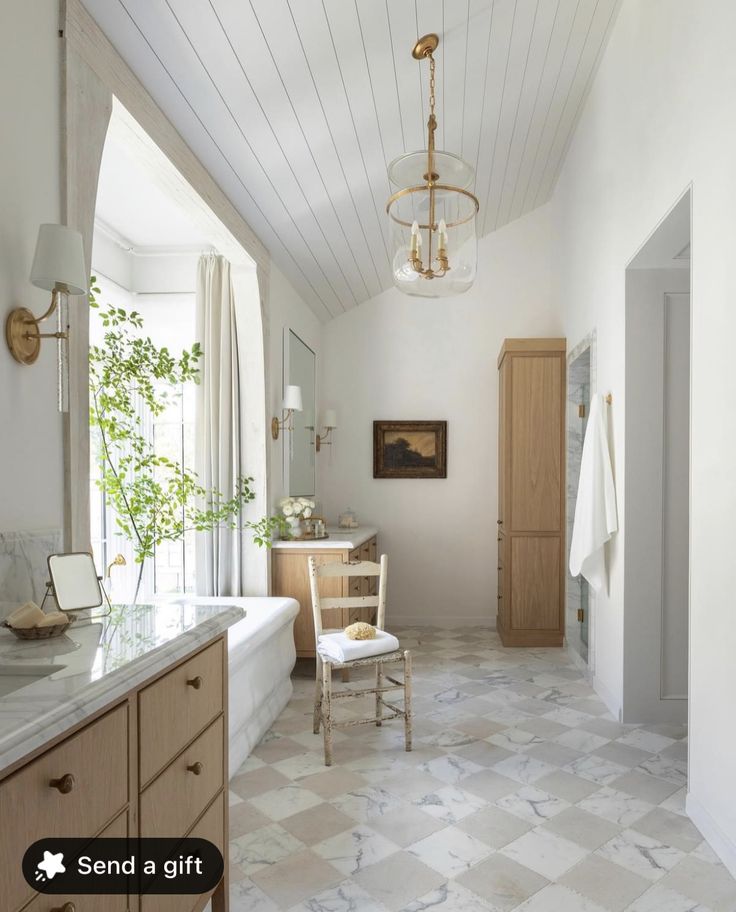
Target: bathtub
x=261, y=656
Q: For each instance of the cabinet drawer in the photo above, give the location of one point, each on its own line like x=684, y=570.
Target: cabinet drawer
x=95, y=760
x=210, y=827
x=118, y=828
x=171, y=804
x=175, y=708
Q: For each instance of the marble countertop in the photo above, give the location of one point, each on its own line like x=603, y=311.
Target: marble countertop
x=93, y=665
x=339, y=540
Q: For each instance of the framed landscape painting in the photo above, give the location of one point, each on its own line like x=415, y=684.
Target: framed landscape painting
x=410, y=449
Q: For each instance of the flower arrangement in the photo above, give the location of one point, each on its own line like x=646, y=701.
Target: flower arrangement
x=294, y=509
x=297, y=506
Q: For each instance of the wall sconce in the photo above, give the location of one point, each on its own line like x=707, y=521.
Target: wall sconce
x=292, y=403
x=330, y=425
x=59, y=267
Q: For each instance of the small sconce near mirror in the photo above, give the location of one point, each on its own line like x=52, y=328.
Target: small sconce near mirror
x=59, y=267
x=292, y=403
x=330, y=419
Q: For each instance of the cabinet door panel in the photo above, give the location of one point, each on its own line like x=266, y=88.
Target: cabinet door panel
x=535, y=583
x=536, y=451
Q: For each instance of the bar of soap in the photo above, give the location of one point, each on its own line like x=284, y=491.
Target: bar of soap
x=28, y=615
x=52, y=619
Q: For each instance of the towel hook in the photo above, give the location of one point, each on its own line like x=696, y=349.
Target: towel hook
x=609, y=399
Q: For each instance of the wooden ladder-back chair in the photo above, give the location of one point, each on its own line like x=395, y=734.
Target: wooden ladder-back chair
x=384, y=682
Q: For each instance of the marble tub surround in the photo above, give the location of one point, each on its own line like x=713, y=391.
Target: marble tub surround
x=522, y=793
x=23, y=567
x=95, y=664
x=339, y=539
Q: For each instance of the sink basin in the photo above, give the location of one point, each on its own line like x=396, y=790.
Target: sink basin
x=15, y=677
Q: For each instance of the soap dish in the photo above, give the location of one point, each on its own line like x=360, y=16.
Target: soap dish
x=39, y=633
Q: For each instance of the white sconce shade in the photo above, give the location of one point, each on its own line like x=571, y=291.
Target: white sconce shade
x=58, y=263
x=293, y=398
x=330, y=418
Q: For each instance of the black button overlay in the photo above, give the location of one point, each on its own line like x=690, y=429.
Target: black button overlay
x=119, y=866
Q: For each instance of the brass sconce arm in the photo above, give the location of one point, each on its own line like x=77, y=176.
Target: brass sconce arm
x=323, y=439
x=286, y=425
x=21, y=330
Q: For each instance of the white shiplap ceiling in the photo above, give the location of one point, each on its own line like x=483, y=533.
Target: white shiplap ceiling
x=297, y=106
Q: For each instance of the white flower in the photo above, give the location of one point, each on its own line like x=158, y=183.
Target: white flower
x=284, y=501
x=298, y=508
x=287, y=509
x=307, y=512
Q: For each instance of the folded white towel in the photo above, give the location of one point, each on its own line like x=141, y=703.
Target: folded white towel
x=596, y=519
x=337, y=647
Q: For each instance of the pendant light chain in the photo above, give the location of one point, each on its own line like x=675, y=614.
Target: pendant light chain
x=431, y=86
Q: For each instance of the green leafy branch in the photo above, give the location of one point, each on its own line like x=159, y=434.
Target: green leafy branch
x=155, y=499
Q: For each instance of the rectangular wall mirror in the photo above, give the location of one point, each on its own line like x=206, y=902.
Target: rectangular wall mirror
x=299, y=452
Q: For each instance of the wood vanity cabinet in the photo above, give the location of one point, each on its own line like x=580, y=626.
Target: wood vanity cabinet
x=531, y=492
x=290, y=578
x=154, y=764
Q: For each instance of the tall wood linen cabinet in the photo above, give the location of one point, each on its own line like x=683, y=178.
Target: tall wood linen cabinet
x=531, y=492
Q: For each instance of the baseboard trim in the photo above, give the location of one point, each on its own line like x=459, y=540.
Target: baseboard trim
x=613, y=704
x=407, y=620
x=724, y=847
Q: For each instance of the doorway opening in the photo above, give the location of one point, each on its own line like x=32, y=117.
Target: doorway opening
x=657, y=473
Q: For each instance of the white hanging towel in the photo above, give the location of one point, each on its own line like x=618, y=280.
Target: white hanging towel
x=595, y=509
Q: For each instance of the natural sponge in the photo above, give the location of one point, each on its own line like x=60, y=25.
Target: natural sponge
x=360, y=631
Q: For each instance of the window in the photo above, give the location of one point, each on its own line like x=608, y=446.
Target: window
x=169, y=321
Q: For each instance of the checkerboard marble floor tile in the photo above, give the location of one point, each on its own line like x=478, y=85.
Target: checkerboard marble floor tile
x=521, y=793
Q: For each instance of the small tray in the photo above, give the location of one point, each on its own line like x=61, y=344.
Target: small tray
x=39, y=633
x=310, y=537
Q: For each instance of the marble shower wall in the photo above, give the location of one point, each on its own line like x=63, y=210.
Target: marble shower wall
x=580, y=383
x=23, y=569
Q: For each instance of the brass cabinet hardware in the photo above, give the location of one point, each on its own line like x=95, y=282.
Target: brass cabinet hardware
x=67, y=907
x=500, y=568
x=499, y=597
x=499, y=522
x=65, y=784
x=581, y=614
x=195, y=768
x=196, y=683
x=581, y=410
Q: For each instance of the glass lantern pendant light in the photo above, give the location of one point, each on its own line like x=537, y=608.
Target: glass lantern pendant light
x=432, y=214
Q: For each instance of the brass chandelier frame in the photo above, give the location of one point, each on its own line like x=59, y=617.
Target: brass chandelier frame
x=424, y=49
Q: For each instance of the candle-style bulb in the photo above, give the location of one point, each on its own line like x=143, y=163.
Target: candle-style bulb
x=442, y=230
x=416, y=238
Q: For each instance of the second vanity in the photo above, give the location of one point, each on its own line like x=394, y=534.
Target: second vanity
x=121, y=732
x=290, y=577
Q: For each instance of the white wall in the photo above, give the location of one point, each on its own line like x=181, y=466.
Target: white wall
x=658, y=117
x=397, y=357
x=31, y=458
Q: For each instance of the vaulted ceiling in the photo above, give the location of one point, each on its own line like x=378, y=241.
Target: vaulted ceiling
x=297, y=106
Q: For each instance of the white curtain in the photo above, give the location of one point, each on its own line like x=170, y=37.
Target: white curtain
x=218, y=453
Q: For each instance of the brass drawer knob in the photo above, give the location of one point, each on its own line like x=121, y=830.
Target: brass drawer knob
x=196, y=683
x=67, y=907
x=499, y=597
x=195, y=768
x=65, y=784
x=499, y=522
